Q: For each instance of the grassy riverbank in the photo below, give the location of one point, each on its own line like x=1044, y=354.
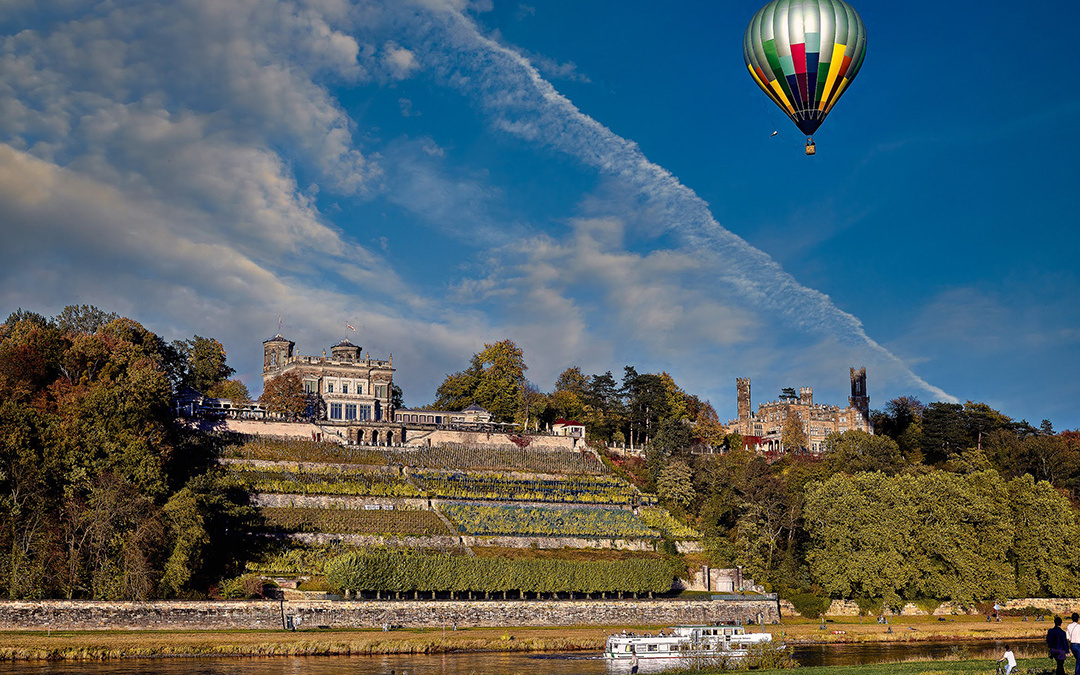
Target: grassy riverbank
x=118, y=644
x=97, y=645
x=937, y=667
x=907, y=629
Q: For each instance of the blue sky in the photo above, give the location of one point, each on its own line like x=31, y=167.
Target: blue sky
x=596, y=181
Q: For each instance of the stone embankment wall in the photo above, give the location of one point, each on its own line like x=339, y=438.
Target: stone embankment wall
x=1061, y=606
x=272, y=614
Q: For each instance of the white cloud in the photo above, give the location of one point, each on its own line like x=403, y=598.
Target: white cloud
x=149, y=161
x=400, y=62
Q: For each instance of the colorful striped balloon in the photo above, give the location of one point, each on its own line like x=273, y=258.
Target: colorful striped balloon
x=804, y=54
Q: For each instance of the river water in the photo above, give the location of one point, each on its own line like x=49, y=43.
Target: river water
x=493, y=664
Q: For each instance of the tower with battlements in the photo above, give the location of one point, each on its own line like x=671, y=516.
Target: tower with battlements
x=763, y=429
x=859, y=400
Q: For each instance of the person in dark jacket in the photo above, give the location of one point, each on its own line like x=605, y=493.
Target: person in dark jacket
x=1058, y=644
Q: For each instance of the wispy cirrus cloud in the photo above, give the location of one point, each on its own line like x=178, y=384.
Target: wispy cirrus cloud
x=169, y=159
x=520, y=102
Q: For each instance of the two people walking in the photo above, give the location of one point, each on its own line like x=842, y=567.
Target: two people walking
x=1062, y=642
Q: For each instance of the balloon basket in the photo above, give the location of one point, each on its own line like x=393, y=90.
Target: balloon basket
x=811, y=149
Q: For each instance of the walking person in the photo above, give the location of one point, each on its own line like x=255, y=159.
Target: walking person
x=1072, y=631
x=633, y=662
x=1058, y=643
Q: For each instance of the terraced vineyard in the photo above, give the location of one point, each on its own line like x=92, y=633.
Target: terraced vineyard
x=449, y=457
x=353, y=521
x=548, y=522
x=321, y=480
x=581, y=501
x=659, y=519
x=300, y=450
x=584, y=489
x=506, y=458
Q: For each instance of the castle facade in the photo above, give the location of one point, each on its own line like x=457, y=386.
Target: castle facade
x=763, y=430
x=345, y=387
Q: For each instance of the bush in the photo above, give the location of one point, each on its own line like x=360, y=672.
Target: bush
x=927, y=605
x=809, y=605
x=244, y=587
x=870, y=606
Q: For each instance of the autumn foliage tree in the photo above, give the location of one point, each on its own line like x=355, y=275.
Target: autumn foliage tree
x=90, y=454
x=284, y=395
x=494, y=380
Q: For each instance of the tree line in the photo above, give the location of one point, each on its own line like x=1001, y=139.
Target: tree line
x=945, y=501
x=631, y=411
x=102, y=493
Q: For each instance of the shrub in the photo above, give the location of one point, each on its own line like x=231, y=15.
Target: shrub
x=809, y=605
x=243, y=587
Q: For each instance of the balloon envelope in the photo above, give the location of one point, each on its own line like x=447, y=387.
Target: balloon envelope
x=804, y=54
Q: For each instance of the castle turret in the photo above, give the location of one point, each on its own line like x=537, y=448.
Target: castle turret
x=742, y=390
x=859, y=400
x=276, y=351
x=806, y=395
x=345, y=351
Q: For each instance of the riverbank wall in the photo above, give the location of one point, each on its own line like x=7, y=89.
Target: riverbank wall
x=274, y=614
x=1061, y=606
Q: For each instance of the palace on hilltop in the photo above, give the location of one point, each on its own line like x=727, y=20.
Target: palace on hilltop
x=350, y=400
x=763, y=430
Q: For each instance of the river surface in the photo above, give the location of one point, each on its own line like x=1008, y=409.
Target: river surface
x=494, y=664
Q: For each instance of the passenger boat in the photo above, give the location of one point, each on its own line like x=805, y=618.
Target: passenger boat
x=717, y=643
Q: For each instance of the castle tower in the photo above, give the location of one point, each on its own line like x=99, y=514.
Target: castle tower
x=345, y=351
x=742, y=392
x=276, y=351
x=806, y=395
x=859, y=400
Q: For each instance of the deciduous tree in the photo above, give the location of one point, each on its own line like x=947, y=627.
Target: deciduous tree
x=284, y=395
x=792, y=434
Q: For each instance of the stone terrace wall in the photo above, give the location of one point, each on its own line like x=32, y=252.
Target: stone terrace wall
x=271, y=614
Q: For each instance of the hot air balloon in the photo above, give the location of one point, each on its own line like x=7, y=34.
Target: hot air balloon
x=804, y=54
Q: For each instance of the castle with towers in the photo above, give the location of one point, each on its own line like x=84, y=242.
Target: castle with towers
x=355, y=391
x=763, y=430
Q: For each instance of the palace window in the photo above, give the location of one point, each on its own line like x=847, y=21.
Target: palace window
x=350, y=411
x=310, y=386
x=380, y=391
x=364, y=411
x=344, y=387
x=335, y=411
x=329, y=387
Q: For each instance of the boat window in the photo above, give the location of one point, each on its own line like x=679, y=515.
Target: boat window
x=652, y=648
x=727, y=631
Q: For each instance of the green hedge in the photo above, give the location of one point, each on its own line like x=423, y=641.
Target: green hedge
x=403, y=571
x=809, y=605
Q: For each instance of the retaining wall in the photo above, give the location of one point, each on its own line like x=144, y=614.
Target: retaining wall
x=1061, y=606
x=272, y=614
